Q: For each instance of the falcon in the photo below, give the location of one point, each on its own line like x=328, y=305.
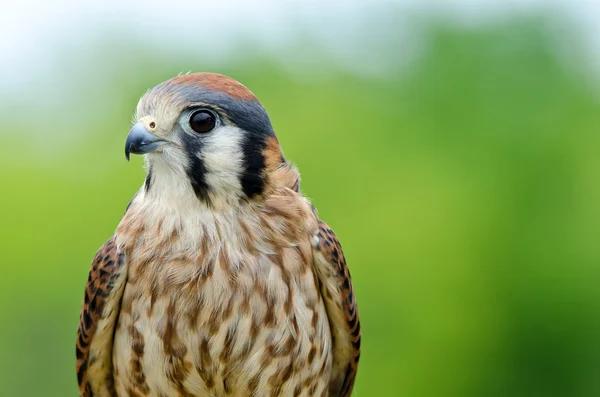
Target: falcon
x=220, y=279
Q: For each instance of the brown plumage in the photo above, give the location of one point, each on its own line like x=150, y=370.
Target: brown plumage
x=220, y=279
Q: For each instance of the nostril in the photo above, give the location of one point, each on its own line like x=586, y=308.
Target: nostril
x=152, y=124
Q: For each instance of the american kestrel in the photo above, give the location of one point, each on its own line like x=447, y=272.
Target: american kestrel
x=220, y=279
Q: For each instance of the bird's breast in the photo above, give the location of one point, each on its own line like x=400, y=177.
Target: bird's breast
x=237, y=312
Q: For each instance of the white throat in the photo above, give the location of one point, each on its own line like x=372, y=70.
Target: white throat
x=222, y=157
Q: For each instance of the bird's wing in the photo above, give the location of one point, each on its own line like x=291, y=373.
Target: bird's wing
x=97, y=322
x=338, y=294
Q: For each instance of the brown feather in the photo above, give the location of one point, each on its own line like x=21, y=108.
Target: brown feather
x=217, y=82
x=97, y=321
x=337, y=290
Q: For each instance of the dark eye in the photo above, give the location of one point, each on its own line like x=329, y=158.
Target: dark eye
x=203, y=121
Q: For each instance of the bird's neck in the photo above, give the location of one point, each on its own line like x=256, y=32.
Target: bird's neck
x=279, y=173
x=179, y=214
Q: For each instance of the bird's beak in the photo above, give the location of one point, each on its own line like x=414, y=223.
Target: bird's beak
x=140, y=141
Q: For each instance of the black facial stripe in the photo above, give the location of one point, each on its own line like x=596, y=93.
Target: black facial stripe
x=196, y=170
x=148, y=181
x=253, y=179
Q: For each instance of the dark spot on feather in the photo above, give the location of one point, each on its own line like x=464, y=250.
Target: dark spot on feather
x=88, y=390
x=346, y=283
x=81, y=372
x=93, y=305
x=297, y=390
x=311, y=354
x=335, y=253
x=356, y=331
x=210, y=383
x=253, y=384
x=352, y=322
x=148, y=180
x=229, y=342
x=226, y=386
x=87, y=319
x=82, y=338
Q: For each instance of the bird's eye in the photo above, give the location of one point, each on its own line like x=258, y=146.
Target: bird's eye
x=203, y=121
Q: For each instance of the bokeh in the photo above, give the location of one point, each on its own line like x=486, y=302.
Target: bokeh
x=457, y=162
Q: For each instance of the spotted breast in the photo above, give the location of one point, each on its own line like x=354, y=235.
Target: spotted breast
x=233, y=307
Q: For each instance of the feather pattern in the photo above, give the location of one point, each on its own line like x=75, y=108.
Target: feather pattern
x=338, y=294
x=99, y=313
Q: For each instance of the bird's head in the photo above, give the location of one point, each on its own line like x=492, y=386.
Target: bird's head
x=204, y=135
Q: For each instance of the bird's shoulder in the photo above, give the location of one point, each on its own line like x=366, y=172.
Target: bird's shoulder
x=103, y=292
x=337, y=291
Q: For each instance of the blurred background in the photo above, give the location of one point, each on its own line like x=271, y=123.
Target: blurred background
x=452, y=145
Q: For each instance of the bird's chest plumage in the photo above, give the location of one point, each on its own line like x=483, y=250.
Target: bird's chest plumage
x=221, y=307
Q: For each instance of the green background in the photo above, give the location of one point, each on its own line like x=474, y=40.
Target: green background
x=463, y=185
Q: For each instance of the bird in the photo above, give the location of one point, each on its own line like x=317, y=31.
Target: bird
x=220, y=279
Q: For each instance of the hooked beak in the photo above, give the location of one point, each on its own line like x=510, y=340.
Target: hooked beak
x=140, y=141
